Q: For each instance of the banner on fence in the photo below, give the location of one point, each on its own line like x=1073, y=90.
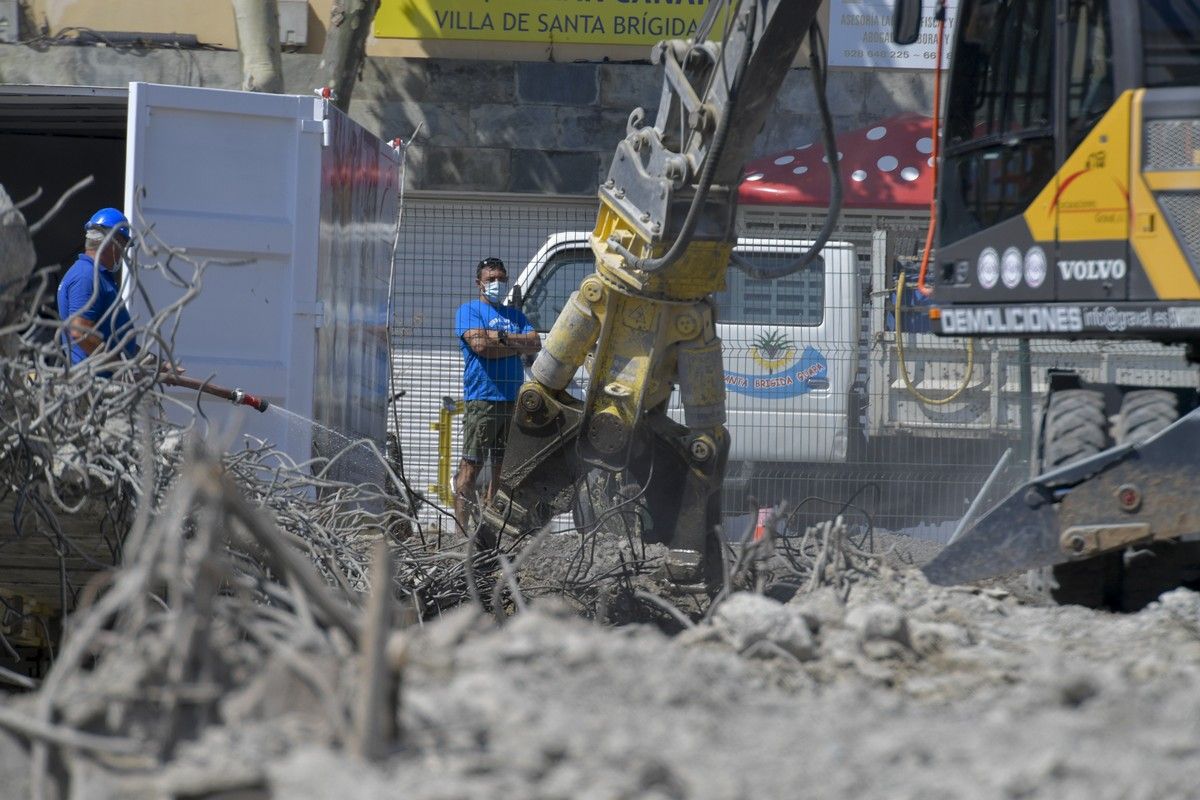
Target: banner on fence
x=548, y=21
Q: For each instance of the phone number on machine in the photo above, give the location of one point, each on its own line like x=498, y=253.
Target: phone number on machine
x=878, y=54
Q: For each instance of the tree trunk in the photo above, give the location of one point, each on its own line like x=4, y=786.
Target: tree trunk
x=258, y=39
x=346, y=47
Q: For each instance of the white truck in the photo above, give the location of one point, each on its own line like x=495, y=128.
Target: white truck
x=802, y=355
x=787, y=372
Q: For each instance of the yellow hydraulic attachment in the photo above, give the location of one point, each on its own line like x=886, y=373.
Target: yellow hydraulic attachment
x=645, y=319
x=648, y=332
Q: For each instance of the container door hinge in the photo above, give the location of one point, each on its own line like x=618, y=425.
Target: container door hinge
x=316, y=126
x=315, y=309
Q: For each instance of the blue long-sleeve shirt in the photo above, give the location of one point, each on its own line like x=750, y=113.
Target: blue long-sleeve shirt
x=90, y=291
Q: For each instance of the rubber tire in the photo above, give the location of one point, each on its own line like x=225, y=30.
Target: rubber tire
x=1076, y=428
x=1143, y=414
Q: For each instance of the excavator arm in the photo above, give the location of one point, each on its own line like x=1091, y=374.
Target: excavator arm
x=644, y=319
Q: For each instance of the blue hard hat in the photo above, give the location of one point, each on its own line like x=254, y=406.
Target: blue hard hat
x=106, y=219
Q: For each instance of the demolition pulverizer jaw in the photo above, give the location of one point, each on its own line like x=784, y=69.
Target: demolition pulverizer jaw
x=243, y=398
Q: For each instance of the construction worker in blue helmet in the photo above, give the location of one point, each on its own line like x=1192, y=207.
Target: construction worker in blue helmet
x=95, y=321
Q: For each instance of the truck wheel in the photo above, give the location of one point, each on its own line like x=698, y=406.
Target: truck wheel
x=1075, y=428
x=1144, y=413
x=1160, y=566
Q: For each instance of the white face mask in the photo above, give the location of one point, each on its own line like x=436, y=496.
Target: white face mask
x=494, y=291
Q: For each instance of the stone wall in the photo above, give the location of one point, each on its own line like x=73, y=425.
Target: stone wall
x=488, y=126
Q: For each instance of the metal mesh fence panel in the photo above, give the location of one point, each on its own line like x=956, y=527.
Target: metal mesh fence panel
x=441, y=242
x=839, y=398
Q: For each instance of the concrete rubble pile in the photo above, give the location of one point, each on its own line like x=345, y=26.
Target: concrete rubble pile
x=895, y=689
x=230, y=563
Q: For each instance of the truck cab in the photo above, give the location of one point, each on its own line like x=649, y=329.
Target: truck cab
x=790, y=357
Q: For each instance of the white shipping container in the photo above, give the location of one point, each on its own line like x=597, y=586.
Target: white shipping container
x=288, y=203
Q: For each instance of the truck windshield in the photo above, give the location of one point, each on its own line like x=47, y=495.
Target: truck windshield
x=1003, y=70
x=1171, y=42
x=999, y=133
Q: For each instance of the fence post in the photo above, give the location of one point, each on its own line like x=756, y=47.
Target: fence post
x=443, y=488
x=1026, y=386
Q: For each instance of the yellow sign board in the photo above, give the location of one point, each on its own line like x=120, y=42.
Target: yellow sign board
x=547, y=21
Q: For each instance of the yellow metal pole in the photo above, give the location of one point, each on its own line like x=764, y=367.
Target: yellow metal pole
x=443, y=488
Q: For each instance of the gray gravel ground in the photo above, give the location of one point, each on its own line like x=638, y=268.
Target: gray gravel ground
x=971, y=697
x=903, y=691
x=906, y=691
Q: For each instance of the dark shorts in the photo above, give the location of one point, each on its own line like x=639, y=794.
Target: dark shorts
x=485, y=430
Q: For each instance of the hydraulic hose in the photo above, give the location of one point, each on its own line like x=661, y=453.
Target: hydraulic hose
x=235, y=396
x=937, y=151
x=933, y=220
x=903, y=365
x=681, y=242
x=817, y=66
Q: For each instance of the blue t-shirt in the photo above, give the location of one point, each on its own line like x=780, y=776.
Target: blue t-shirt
x=490, y=378
x=75, y=299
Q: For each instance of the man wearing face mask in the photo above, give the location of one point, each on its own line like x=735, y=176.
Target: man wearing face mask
x=96, y=321
x=493, y=337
